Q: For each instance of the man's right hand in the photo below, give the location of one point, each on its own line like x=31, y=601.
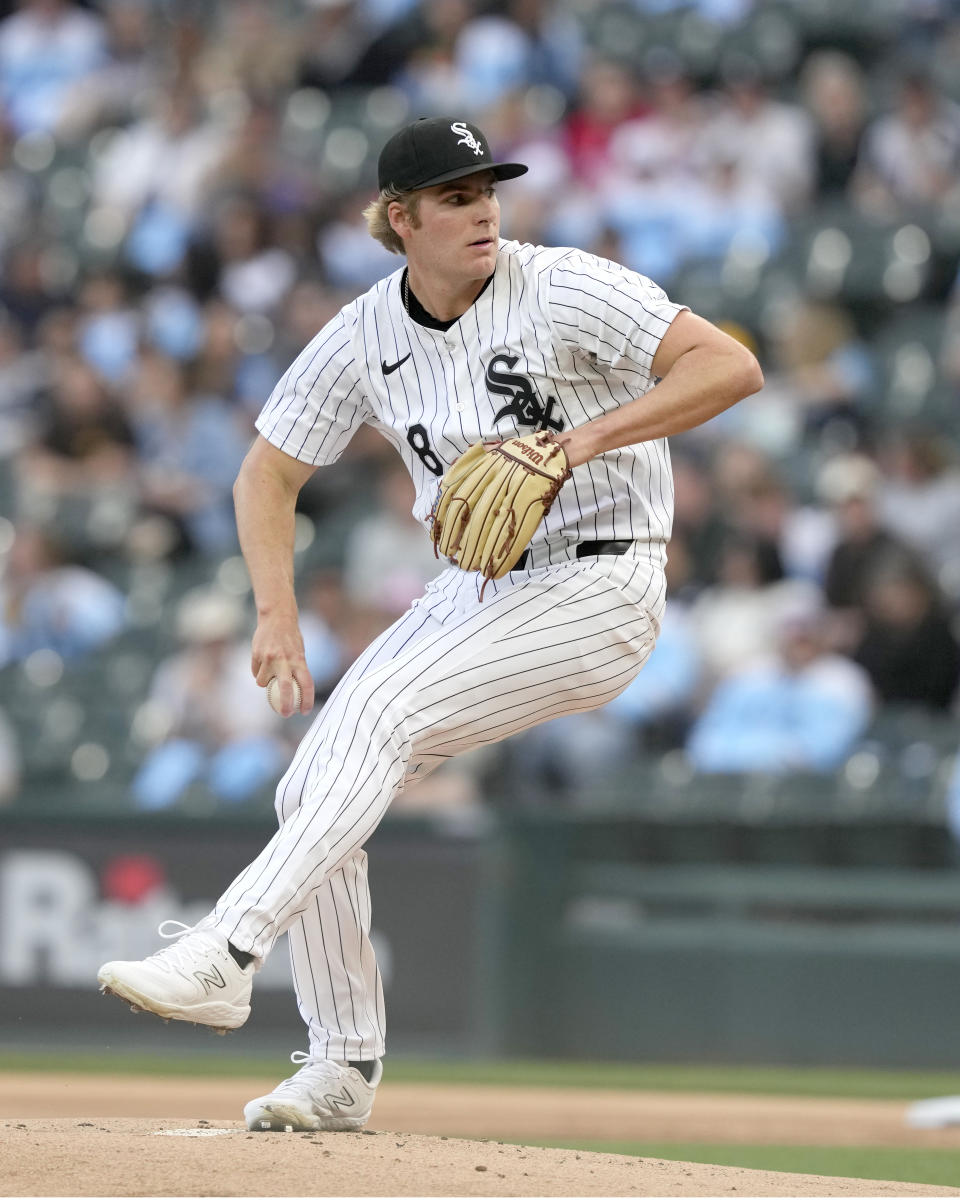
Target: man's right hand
x=277, y=651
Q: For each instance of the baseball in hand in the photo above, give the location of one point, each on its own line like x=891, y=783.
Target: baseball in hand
x=273, y=694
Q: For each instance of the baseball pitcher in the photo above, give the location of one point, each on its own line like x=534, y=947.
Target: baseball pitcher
x=530, y=392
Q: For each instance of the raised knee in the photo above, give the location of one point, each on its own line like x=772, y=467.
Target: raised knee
x=289, y=796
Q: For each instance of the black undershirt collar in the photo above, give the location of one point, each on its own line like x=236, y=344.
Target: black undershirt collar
x=418, y=313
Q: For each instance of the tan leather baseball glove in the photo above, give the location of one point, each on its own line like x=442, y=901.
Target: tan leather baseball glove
x=493, y=498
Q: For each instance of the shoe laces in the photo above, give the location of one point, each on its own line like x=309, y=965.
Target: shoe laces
x=312, y=1071
x=178, y=955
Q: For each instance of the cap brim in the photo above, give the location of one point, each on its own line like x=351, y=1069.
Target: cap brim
x=500, y=171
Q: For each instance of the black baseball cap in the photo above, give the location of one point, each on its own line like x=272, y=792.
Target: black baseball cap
x=435, y=150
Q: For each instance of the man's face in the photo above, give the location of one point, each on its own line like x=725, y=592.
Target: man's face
x=457, y=228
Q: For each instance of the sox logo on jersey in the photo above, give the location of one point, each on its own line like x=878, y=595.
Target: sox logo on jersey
x=525, y=406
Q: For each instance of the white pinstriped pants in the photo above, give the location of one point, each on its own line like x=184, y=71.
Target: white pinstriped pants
x=450, y=675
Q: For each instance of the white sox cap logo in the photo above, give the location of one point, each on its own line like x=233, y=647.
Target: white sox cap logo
x=466, y=137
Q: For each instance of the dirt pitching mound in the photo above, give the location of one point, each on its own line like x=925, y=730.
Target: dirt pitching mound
x=515, y=1114
x=139, y=1157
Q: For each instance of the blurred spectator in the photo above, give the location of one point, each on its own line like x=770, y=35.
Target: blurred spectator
x=768, y=140
x=850, y=484
x=735, y=619
x=216, y=363
x=819, y=382
x=172, y=322
x=609, y=95
x=252, y=52
x=700, y=525
x=229, y=355
x=654, y=168
x=493, y=55
x=756, y=499
x=109, y=328
x=910, y=156
x=254, y=275
x=10, y=765
x=920, y=500
x=190, y=447
x=49, y=603
x=908, y=647
x=166, y=157
x=154, y=174
x=84, y=451
x=834, y=93
x=418, y=45
x=45, y=49
x=113, y=93
x=335, y=47
x=801, y=709
x=56, y=336
x=731, y=207
x=389, y=557
x=25, y=292
x=212, y=722
x=531, y=43
x=258, y=164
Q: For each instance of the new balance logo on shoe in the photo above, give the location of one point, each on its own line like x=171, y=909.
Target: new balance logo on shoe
x=338, y=1103
x=210, y=978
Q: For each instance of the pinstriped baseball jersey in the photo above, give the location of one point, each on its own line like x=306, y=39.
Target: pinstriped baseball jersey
x=558, y=338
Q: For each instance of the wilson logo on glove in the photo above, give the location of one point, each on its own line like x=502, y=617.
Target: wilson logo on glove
x=493, y=498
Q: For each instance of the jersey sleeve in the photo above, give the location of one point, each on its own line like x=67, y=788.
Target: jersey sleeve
x=319, y=404
x=613, y=315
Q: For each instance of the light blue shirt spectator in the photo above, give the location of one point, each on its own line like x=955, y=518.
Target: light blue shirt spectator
x=784, y=714
x=69, y=609
x=45, y=49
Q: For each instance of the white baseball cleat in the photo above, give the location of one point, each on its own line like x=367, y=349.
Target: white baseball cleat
x=195, y=979
x=324, y=1095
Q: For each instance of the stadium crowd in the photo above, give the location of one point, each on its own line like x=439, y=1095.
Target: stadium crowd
x=180, y=198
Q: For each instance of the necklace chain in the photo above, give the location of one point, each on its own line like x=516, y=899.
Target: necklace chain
x=406, y=291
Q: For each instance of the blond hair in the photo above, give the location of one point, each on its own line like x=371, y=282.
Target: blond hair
x=378, y=218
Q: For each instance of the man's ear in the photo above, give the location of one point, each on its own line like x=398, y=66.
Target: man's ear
x=399, y=219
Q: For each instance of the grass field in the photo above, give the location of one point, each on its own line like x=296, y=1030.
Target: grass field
x=895, y=1162
x=772, y=1081
x=910, y=1164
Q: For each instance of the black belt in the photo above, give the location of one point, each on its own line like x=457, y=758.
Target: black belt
x=584, y=550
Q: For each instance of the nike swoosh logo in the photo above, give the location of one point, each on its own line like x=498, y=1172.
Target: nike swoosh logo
x=393, y=366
